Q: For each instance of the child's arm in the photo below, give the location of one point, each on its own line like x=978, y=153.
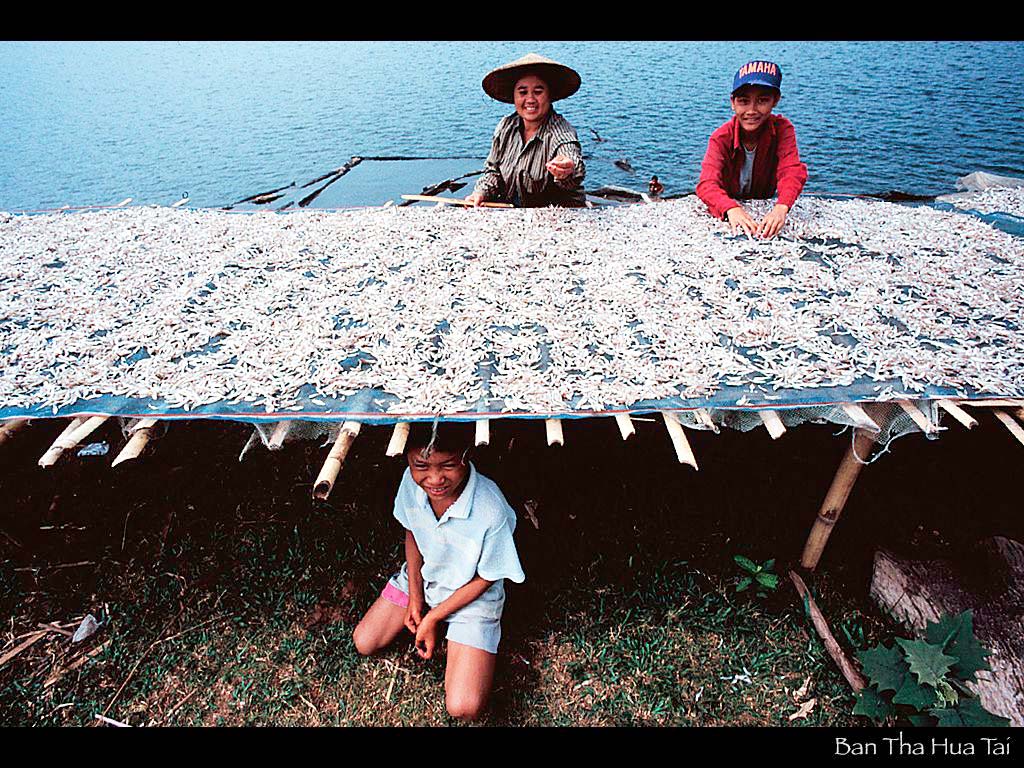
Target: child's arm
x=426, y=634
x=414, y=560
x=711, y=187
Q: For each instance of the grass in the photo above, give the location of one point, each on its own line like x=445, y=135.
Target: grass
x=231, y=596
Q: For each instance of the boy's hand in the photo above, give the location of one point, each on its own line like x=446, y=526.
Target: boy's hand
x=773, y=222
x=426, y=636
x=413, y=614
x=476, y=198
x=740, y=219
x=561, y=167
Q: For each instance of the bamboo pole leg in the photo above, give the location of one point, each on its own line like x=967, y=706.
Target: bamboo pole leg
x=553, y=427
x=277, y=437
x=625, y=424
x=958, y=413
x=142, y=431
x=835, y=499
x=8, y=428
x=773, y=424
x=332, y=466
x=399, y=435
x=483, y=432
x=675, y=431
x=53, y=453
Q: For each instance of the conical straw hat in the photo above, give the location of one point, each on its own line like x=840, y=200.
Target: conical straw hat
x=562, y=81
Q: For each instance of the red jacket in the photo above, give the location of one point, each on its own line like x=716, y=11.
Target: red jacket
x=777, y=166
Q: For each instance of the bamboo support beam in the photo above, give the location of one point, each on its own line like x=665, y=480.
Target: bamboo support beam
x=993, y=403
x=53, y=453
x=705, y=418
x=860, y=417
x=958, y=413
x=553, y=427
x=773, y=424
x=396, y=446
x=8, y=428
x=483, y=432
x=625, y=424
x=675, y=431
x=835, y=499
x=277, y=437
x=332, y=466
x=1015, y=429
x=918, y=416
x=142, y=431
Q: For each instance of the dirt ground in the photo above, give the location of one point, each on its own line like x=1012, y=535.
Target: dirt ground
x=228, y=595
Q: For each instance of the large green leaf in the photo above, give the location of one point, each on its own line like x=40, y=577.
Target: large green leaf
x=767, y=580
x=956, y=636
x=870, y=703
x=969, y=713
x=885, y=667
x=746, y=563
x=915, y=695
x=743, y=583
x=927, y=661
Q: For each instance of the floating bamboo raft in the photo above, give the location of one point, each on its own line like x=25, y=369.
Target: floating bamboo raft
x=880, y=317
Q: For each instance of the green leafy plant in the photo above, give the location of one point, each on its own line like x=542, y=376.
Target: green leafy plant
x=923, y=681
x=759, y=576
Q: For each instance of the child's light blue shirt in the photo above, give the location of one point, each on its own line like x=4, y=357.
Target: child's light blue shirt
x=473, y=537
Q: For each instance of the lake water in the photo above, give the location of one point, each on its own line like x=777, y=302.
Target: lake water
x=91, y=123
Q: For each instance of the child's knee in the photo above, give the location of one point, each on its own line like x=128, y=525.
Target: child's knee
x=463, y=707
x=366, y=644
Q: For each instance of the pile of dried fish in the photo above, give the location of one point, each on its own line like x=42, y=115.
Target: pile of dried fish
x=538, y=310
x=994, y=200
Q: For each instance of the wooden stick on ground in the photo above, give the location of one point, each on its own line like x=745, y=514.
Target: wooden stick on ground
x=553, y=427
x=853, y=677
x=281, y=430
x=1015, y=429
x=142, y=431
x=958, y=413
x=57, y=674
x=860, y=417
x=8, y=428
x=773, y=424
x=31, y=640
x=625, y=425
x=452, y=201
x=483, y=432
x=396, y=446
x=918, y=416
x=55, y=450
x=675, y=431
x=332, y=466
x=835, y=499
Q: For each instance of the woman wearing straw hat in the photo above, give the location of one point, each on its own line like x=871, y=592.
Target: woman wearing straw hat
x=535, y=158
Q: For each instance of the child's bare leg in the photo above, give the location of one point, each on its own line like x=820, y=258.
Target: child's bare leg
x=379, y=627
x=467, y=680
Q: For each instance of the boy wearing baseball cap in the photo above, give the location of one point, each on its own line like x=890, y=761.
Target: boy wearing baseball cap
x=753, y=155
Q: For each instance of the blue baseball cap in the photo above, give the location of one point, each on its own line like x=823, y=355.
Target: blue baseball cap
x=758, y=72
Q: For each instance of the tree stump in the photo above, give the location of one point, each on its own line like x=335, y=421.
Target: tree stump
x=989, y=580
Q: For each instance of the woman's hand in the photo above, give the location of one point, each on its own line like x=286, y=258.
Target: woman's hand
x=414, y=614
x=476, y=198
x=773, y=222
x=561, y=167
x=740, y=219
x=426, y=636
